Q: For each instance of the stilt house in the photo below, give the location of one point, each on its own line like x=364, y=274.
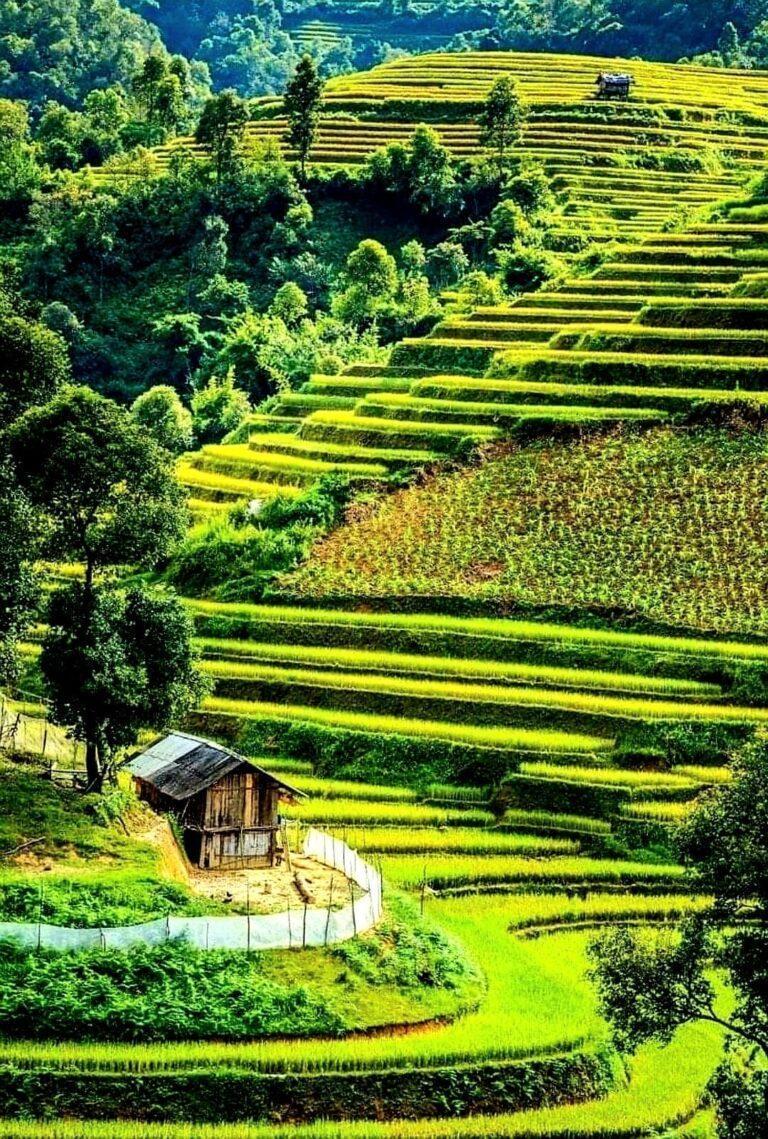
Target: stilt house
x=226, y=805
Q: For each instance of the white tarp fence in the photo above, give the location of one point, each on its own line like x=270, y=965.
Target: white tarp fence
x=291, y=929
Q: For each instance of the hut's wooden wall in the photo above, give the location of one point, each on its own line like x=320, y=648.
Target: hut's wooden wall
x=219, y=822
x=242, y=799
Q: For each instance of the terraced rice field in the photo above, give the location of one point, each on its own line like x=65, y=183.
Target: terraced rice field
x=549, y=702
x=654, y=332
x=657, y=328
x=536, y=728
x=537, y=1019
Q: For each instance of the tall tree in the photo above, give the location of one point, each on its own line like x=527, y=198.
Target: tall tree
x=107, y=489
x=302, y=101
x=649, y=987
x=501, y=121
x=115, y=662
x=19, y=174
x=221, y=129
x=160, y=90
x=108, y=495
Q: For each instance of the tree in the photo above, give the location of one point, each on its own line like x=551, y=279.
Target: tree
x=372, y=282
x=18, y=591
x=184, y=343
x=302, y=102
x=160, y=412
x=218, y=408
x=19, y=175
x=114, y=663
x=289, y=304
x=431, y=178
x=33, y=364
x=447, y=263
x=221, y=129
x=108, y=491
x=108, y=496
x=159, y=88
x=501, y=120
x=208, y=258
x=649, y=987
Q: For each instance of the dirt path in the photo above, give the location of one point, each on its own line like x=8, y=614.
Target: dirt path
x=258, y=891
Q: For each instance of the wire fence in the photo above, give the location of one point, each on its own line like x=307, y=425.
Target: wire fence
x=26, y=729
x=294, y=928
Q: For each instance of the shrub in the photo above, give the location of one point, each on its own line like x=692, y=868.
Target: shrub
x=167, y=992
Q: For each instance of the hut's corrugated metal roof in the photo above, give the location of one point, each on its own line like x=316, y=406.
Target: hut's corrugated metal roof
x=180, y=765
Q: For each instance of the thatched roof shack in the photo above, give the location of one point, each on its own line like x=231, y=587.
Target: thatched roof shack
x=226, y=805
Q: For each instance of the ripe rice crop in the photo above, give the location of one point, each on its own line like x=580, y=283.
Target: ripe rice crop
x=319, y=788
x=705, y=774
x=551, y=820
x=658, y=811
x=625, y=777
x=494, y=627
x=516, y=739
x=457, y=840
x=394, y=663
x=448, y=871
x=337, y=812
x=510, y=696
x=665, y=1087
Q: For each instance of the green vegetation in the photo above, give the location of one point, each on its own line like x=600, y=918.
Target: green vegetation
x=648, y=988
x=463, y=373
x=123, y=995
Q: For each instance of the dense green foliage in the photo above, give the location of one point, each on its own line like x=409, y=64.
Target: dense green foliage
x=648, y=990
x=169, y=992
x=114, y=662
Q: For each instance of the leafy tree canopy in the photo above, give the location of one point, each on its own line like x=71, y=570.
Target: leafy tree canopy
x=33, y=364
x=18, y=592
x=650, y=986
x=115, y=662
x=107, y=490
x=160, y=412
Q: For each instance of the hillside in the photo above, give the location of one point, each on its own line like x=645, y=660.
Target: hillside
x=494, y=601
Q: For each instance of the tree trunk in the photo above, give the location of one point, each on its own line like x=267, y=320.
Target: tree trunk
x=93, y=768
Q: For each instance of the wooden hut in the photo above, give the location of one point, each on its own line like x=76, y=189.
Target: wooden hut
x=614, y=84
x=226, y=806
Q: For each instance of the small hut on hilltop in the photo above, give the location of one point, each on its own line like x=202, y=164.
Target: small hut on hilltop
x=226, y=806
x=614, y=84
